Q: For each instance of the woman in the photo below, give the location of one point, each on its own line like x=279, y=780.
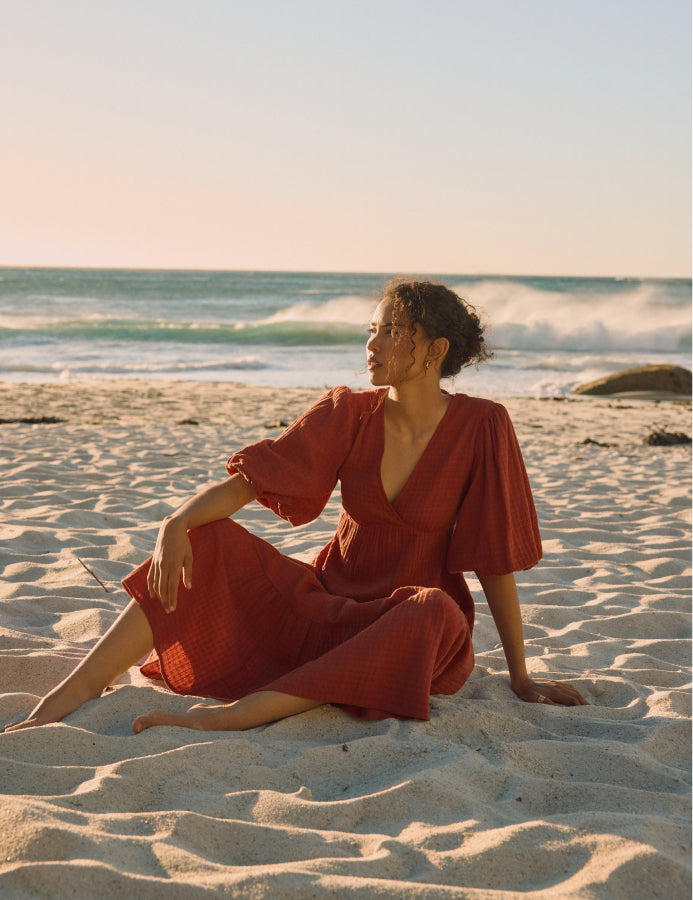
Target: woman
x=432, y=485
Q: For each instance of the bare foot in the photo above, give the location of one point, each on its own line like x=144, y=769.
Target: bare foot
x=196, y=717
x=55, y=706
x=259, y=708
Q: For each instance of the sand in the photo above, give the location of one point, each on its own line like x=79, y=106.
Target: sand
x=493, y=798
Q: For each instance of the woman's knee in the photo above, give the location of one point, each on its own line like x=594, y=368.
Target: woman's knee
x=434, y=601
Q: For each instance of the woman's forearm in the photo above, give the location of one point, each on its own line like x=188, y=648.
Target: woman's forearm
x=501, y=595
x=219, y=501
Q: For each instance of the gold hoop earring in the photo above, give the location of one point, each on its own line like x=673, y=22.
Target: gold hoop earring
x=427, y=365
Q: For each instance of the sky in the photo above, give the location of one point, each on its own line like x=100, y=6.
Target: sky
x=517, y=137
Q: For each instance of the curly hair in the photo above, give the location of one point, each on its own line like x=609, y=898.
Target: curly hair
x=440, y=313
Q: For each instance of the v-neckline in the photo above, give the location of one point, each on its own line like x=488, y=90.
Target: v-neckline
x=393, y=503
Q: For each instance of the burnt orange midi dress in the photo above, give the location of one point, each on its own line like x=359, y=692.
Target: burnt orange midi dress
x=383, y=617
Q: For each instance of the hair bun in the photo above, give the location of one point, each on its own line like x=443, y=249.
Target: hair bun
x=441, y=313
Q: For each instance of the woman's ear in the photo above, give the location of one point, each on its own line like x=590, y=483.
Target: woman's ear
x=438, y=349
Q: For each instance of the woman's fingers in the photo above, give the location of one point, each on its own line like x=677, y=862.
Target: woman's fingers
x=173, y=555
x=539, y=697
x=152, y=582
x=551, y=693
x=163, y=581
x=187, y=569
x=568, y=694
x=170, y=595
x=561, y=692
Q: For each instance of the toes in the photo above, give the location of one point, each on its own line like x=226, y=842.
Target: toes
x=139, y=724
x=20, y=726
x=159, y=717
x=155, y=717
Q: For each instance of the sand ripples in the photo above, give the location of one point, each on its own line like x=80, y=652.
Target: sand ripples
x=492, y=798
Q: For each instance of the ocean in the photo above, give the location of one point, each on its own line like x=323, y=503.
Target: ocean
x=308, y=329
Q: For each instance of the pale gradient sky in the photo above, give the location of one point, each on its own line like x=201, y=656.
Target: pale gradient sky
x=459, y=136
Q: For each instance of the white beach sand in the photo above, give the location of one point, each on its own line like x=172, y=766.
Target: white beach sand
x=492, y=798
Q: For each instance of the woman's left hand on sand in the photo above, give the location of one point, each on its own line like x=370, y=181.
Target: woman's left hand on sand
x=552, y=693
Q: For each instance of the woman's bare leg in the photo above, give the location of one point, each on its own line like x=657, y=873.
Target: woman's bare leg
x=248, y=712
x=126, y=641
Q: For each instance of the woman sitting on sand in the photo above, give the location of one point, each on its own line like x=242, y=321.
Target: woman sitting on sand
x=432, y=484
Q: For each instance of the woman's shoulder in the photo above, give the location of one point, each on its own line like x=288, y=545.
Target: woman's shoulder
x=479, y=408
x=362, y=401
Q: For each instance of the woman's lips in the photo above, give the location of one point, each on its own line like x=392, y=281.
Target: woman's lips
x=373, y=364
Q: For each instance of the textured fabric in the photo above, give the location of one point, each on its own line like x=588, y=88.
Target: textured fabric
x=383, y=617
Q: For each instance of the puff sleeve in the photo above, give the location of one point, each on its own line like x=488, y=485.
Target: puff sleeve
x=496, y=530
x=295, y=474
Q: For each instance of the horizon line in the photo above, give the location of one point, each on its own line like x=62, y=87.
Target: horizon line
x=384, y=272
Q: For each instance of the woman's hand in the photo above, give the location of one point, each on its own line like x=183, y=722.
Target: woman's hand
x=550, y=692
x=172, y=554
x=173, y=551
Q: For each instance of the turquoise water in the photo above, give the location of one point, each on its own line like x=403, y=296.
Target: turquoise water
x=309, y=329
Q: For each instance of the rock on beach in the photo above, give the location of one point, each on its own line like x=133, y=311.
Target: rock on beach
x=661, y=378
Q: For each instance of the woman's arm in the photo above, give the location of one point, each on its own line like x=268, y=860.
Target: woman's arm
x=173, y=552
x=501, y=595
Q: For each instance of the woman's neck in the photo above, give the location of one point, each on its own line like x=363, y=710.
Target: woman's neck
x=418, y=406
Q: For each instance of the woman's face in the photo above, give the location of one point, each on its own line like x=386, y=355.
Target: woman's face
x=394, y=354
